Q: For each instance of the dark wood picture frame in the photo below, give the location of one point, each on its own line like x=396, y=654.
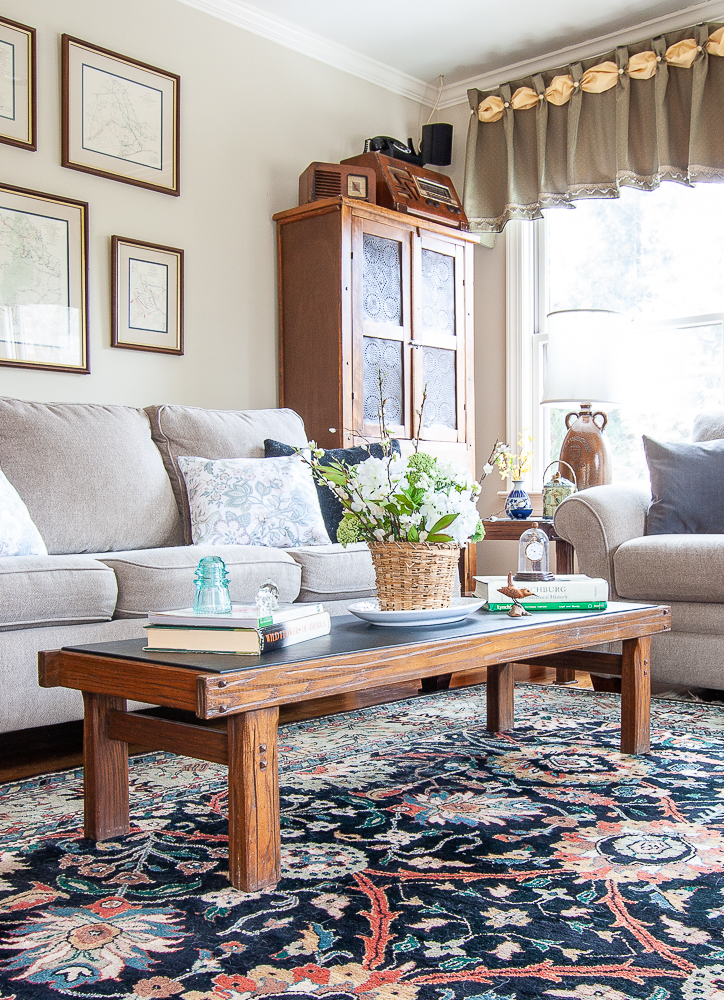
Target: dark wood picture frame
x=118, y=328
x=73, y=112
x=77, y=291
x=31, y=143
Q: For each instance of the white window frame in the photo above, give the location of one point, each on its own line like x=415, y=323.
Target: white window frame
x=527, y=339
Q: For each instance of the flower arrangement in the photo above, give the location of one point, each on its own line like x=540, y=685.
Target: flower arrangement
x=510, y=463
x=394, y=499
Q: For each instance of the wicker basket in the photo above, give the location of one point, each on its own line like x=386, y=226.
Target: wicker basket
x=412, y=576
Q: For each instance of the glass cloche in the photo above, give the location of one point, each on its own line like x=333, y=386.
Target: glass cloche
x=534, y=555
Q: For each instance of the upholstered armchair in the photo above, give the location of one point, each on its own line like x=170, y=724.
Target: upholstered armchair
x=607, y=527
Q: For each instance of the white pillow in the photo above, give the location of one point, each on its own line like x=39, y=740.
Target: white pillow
x=253, y=501
x=18, y=534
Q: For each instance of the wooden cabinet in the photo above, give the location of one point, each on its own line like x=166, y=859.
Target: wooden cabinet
x=368, y=293
x=363, y=292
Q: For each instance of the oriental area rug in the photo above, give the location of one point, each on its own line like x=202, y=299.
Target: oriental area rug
x=422, y=859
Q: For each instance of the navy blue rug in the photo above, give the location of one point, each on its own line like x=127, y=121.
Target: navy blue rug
x=422, y=859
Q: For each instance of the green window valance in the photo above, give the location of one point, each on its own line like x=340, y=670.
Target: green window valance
x=636, y=116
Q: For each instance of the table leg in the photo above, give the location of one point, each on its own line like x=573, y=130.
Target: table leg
x=564, y=557
x=441, y=682
x=105, y=770
x=500, y=697
x=636, y=695
x=254, y=838
x=564, y=567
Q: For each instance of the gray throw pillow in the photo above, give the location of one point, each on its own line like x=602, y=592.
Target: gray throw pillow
x=687, y=486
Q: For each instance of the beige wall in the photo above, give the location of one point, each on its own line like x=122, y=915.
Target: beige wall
x=253, y=116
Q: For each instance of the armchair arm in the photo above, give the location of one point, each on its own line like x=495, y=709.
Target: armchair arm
x=596, y=521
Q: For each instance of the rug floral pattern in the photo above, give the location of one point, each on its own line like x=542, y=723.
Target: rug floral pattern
x=422, y=859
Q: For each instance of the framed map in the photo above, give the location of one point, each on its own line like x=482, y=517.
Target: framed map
x=18, y=75
x=120, y=117
x=147, y=291
x=43, y=281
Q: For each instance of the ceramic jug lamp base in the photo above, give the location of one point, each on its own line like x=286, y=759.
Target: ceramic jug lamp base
x=585, y=448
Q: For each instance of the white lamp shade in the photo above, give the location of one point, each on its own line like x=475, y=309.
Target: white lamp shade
x=581, y=356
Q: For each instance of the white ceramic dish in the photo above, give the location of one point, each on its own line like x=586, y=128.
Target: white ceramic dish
x=460, y=608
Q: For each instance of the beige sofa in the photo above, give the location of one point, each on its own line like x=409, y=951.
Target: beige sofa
x=103, y=487
x=607, y=524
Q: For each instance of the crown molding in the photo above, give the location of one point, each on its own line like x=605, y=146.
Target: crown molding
x=456, y=93
x=275, y=29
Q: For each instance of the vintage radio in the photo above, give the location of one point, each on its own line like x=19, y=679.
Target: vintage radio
x=406, y=187
x=332, y=180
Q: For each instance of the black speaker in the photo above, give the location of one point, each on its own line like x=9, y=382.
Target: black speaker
x=436, y=145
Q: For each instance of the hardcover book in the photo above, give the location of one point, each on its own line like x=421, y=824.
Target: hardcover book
x=240, y=616
x=566, y=589
x=202, y=639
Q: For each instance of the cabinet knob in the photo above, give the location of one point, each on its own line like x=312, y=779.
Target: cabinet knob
x=332, y=430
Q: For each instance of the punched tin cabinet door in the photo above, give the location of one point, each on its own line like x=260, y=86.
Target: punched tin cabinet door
x=438, y=344
x=382, y=327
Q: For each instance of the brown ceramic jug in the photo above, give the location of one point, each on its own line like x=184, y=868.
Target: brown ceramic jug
x=586, y=449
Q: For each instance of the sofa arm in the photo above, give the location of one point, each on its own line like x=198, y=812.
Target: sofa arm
x=596, y=521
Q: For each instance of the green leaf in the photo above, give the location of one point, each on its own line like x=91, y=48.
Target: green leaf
x=332, y=475
x=413, y=535
x=437, y=537
x=444, y=521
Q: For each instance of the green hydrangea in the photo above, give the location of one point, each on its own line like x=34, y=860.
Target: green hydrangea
x=418, y=464
x=348, y=530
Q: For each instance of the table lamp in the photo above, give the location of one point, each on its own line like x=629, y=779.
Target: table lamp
x=580, y=362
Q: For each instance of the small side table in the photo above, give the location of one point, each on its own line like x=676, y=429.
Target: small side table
x=505, y=529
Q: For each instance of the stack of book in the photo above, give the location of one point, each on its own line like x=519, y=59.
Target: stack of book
x=565, y=593
x=241, y=631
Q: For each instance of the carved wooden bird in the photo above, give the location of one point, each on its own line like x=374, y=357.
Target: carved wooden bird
x=516, y=594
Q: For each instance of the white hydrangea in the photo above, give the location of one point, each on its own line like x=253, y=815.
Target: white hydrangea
x=446, y=489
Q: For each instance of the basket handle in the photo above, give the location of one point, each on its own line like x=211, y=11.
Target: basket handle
x=560, y=461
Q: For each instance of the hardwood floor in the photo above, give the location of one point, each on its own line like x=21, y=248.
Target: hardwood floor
x=31, y=752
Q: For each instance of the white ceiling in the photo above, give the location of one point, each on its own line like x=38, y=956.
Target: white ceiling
x=407, y=44
x=461, y=38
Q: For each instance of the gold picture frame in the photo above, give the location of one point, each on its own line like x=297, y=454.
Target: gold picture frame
x=18, y=85
x=147, y=296
x=120, y=117
x=43, y=281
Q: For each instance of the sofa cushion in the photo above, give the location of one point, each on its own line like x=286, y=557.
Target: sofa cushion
x=18, y=534
x=90, y=475
x=333, y=573
x=705, y=619
x=253, y=501
x=708, y=427
x=163, y=579
x=671, y=568
x=687, y=483
x=189, y=430
x=332, y=509
x=54, y=590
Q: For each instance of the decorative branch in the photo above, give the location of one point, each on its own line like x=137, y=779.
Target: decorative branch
x=419, y=417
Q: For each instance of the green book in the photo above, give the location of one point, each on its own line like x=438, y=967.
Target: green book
x=547, y=605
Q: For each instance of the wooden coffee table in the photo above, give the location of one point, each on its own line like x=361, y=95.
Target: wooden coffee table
x=246, y=692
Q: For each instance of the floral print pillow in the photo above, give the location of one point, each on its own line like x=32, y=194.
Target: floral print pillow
x=253, y=501
x=18, y=534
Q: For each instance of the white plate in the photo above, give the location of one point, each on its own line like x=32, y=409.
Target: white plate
x=460, y=608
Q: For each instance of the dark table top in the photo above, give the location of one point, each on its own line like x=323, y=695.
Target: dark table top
x=350, y=635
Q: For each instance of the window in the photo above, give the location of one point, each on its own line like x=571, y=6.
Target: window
x=657, y=256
